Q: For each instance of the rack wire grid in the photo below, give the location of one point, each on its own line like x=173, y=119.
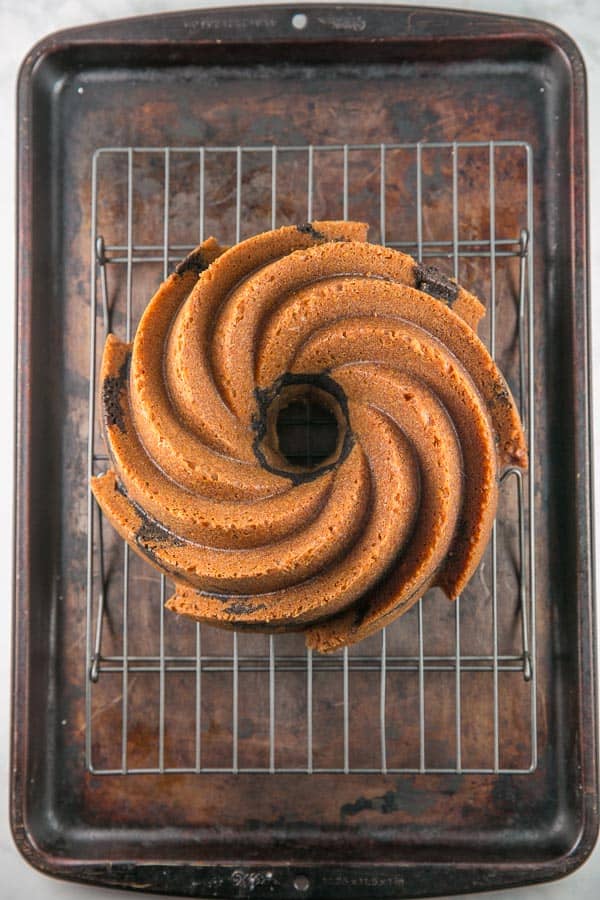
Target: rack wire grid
x=447, y=687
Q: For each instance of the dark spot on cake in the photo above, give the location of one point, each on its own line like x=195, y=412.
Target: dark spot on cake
x=241, y=609
x=239, y=605
x=152, y=555
x=152, y=532
x=264, y=398
x=121, y=489
x=308, y=229
x=112, y=386
x=501, y=395
x=193, y=262
x=432, y=281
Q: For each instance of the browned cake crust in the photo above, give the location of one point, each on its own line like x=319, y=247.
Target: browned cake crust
x=198, y=484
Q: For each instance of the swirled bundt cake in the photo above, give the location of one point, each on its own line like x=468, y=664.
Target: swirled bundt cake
x=406, y=493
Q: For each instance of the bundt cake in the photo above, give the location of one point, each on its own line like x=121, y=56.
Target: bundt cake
x=337, y=546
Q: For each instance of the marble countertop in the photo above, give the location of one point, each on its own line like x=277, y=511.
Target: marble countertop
x=22, y=23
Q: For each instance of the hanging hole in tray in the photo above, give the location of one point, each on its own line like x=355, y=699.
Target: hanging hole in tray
x=301, y=883
x=299, y=21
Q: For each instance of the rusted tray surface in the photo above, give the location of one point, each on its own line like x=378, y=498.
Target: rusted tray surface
x=356, y=75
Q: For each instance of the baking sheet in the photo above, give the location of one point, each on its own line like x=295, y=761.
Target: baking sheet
x=208, y=78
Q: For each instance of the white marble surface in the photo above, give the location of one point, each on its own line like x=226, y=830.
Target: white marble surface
x=22, y=23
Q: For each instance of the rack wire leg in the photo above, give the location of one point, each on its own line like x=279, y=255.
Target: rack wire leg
x=96, y=655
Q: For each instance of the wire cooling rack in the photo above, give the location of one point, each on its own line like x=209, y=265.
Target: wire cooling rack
x=446, y=688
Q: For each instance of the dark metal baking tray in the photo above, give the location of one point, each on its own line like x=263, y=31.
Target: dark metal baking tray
x=371, y=76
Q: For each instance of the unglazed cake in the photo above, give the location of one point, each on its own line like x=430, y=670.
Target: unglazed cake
x=425, y=425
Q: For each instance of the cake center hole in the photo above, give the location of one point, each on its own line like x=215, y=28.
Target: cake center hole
x=302, y=428
x=307, y=431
